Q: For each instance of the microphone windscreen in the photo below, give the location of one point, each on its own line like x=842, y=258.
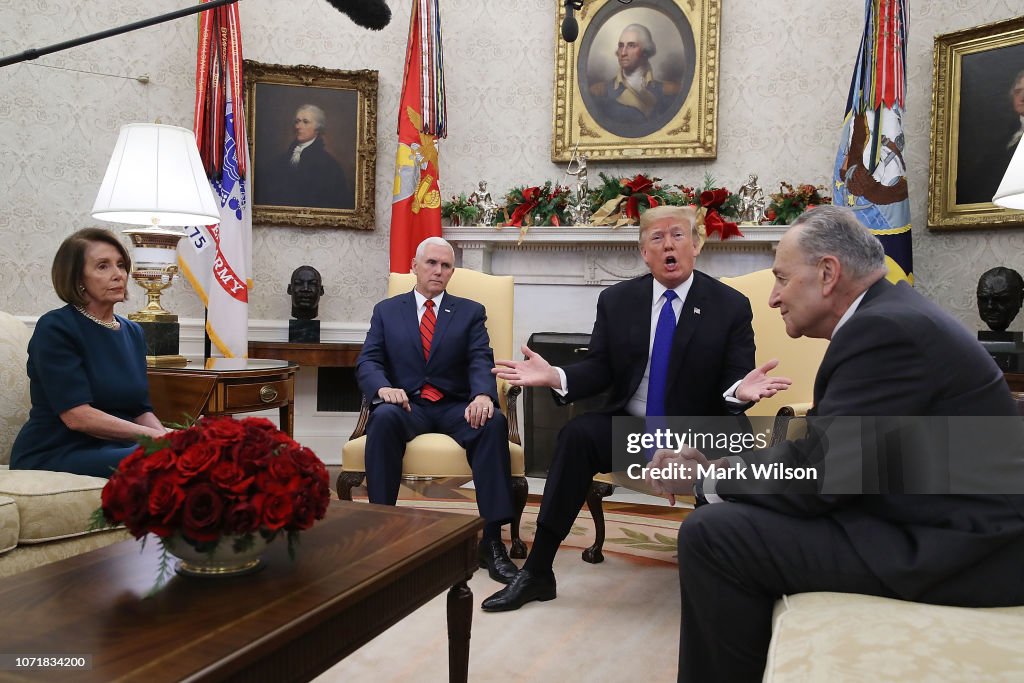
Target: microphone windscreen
x=371, y=14
x=570, y=29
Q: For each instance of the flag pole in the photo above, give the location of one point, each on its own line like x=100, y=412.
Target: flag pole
x=32, y=53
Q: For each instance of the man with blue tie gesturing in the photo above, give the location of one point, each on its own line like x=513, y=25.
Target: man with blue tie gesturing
x=426, y=367
x=673, y=342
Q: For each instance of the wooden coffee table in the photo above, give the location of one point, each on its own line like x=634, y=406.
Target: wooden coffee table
x=357, y=572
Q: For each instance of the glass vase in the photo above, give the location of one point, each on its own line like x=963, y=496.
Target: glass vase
x=223, y=560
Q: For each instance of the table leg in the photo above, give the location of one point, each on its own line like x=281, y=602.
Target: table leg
x=460, y=622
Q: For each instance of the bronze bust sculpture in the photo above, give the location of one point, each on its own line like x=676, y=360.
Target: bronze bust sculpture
x=306, y=288
x=1000, y=295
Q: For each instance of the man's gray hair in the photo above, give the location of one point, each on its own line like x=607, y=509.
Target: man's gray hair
x=835, y=231
x=318, y=115
x=439, y=241
x=646, y=41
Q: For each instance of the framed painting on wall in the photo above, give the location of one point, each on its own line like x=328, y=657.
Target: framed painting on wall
x=977, y=119
x=640, y=82
x=312, y=145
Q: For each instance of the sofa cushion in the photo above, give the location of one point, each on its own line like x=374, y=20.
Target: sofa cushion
x=9, y=524
x=14, y=336
x=51, y=505
x=850, y=637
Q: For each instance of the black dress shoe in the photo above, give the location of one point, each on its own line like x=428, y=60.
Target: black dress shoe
x=526, y=587
x=494, y=557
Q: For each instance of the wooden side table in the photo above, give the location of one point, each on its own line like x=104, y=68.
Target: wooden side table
x=319, y=355
x=224, y=386
x=1015, y=380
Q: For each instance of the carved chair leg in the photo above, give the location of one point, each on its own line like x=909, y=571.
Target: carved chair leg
x=520, y=490
x=348, y=481
x=598, y=491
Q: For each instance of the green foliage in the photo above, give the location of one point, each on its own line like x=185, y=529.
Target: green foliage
x=789, y=202
x=460, y=210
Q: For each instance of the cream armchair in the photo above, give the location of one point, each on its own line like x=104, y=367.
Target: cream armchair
x=437, y=455
x=798, y=359
x=44, y=516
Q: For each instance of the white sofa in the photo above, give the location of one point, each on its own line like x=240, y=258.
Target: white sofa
x=43, y=515
x=849, y=637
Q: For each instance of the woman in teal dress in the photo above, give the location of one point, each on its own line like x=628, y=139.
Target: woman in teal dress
x=86, y=367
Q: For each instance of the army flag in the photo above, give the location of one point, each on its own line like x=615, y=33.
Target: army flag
x=869, y=174
x=422, y=120
x=217, y=259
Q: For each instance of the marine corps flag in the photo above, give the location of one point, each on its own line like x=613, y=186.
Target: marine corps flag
x=422, y=119
x=869, y=174
x=217, y=259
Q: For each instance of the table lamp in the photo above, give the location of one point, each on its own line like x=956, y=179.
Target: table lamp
x=155, y=178
x=1011, y=190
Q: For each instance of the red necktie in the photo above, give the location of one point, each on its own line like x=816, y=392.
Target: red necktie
x=427, y=323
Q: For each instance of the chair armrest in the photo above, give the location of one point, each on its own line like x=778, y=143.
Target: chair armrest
x=790, y=423
x=794, y=410
x=508, y=395
x=364, y=415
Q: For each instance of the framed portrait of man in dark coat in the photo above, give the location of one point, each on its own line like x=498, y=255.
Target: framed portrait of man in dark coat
x=977, y=124
x=312, y=134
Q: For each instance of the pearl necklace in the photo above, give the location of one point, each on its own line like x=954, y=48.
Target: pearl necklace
x=112, y=325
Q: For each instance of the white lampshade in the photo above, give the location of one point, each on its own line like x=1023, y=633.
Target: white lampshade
x=1011, y=190
x=155, y=177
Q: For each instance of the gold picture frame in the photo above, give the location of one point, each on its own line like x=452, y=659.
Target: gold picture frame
x=676, y=113
x=974, y=71
x=331, y=181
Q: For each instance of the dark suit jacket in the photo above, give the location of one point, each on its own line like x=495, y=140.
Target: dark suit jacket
x=460, y=353
x=901, y=355
x=317, y=181
x=712, y=349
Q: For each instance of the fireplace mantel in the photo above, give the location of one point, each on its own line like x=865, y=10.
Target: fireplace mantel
x=560, y=271
x=589, y=256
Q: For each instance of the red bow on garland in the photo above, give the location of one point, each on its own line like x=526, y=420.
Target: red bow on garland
x=711, y=201
x=531, y=198
x=637, y=189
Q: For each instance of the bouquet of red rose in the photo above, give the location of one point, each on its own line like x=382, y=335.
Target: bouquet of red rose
x=219, y=477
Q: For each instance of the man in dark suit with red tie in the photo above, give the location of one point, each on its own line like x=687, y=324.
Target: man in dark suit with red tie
x=675, y=342
x=426, y=367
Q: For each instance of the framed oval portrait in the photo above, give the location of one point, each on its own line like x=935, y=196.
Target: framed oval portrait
x=636, y=66
x=640, y=82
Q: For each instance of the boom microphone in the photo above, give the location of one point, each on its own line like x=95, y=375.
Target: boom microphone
x=371, y=14
x=571, y=29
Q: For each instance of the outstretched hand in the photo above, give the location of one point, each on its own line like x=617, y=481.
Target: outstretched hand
x=757, y=384
x=532, y=372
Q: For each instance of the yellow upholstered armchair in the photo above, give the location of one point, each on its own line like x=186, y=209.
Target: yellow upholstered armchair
x=798, y=359
x=437, y=455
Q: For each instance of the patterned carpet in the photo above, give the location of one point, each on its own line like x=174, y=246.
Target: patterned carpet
x=615, y=621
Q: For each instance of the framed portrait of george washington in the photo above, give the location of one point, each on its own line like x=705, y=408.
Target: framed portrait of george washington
x=312, y=145
x=977, y=122
x=640, y=81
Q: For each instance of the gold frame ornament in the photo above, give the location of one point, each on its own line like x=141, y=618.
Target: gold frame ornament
x=348, y=139
x=973, y=72
x=673, y=115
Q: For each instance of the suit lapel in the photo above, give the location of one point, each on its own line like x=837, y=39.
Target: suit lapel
x=638, y=315
x=445, y=312
x=410, y=323
x=689, y=320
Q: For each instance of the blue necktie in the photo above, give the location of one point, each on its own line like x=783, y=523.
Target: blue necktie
x=660, y=353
